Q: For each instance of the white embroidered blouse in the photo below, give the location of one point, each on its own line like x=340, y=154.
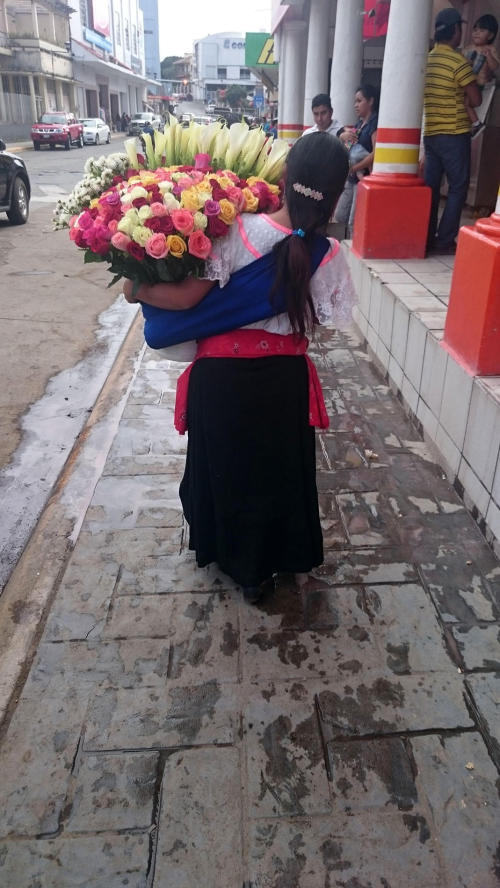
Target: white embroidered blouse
x=251, y=237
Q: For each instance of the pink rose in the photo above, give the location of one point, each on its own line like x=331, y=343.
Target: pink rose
x=199, y=245
x=236, y=197
x=156, y=246
x=120, y=241
x=273, y=203
x=85, y=220
x=202, y=161
x=158, y=209
x=183, y=221
x=113, y=225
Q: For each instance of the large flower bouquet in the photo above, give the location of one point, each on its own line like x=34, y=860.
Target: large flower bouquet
x=154, y=213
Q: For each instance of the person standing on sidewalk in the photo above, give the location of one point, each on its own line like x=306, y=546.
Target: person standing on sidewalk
x=323, y=116
x=253, y=398
x=448, y=81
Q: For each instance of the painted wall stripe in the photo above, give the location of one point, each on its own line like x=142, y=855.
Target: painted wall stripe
x=407, y=136
x=401, y=145
x=396, y=155
x=408, y=169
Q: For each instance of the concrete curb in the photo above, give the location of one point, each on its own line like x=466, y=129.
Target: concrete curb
x=31, y=589
x=28, y=145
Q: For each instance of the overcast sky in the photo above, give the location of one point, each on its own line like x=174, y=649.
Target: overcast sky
x=180, y=25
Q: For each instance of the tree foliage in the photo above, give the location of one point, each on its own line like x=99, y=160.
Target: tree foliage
x=236, y=96
x=168, y=71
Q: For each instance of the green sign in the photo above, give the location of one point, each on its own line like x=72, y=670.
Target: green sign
x=259, y=51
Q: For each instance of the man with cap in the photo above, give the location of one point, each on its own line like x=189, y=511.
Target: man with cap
x=448, y=80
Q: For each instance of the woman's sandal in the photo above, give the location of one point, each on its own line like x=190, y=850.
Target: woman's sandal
x=253, y=594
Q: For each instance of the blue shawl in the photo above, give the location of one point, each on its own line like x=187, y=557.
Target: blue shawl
x=244, y=300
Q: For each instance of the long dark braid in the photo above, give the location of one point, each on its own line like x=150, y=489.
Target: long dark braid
x=318, y=164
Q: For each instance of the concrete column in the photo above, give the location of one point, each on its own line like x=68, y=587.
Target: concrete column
x=393, y=204
x=34, y=115
x=45, y=95
x=3, y=109
x=347, y=59
x=59, y=96
x=317, y=55
x=34, y=19
x=53, y=32
x=291, y=82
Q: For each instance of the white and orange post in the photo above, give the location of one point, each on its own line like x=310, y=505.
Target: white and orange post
x=393, y=203
x=291, y=80
x=472, y=331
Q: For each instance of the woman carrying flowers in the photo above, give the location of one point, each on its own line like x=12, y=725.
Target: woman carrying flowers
x=251, y=399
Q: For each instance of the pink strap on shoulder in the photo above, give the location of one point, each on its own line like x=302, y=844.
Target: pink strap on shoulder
x=332, y=252
x=251, y=249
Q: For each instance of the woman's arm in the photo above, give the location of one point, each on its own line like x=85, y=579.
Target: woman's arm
x=367, y=161
x=186, y=294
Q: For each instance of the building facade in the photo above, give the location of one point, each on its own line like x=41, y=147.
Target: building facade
x=108, y=58
x=219, y=62
x=151, y=39
x=36, y=72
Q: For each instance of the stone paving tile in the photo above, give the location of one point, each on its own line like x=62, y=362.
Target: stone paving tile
x=323, y=852
x=200, y=828
x=364, y=519
x=479, y=646
x=131, y=548
x=157, y=464
x=152, y=387
x=331, y=524
x=82, y=602
x=461, y=785
x=173, y=573
x=380, y=565
x=286, y=774
x=104, y=861
x=162, y=718
x=114, y=792
x=383, y=703
x=484, y=693
x=37, y=756
x=458, y=585
x=127, y=502
x=374, y=775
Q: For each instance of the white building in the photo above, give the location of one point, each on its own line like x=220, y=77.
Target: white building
x=219, y=62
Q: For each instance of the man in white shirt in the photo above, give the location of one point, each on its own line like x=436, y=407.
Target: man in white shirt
x=323, y=113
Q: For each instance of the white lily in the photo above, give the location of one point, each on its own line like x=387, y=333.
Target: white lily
x=130, y=148
x=220, y=149
x=237, y=136
x=275, y=162
x=250, y=153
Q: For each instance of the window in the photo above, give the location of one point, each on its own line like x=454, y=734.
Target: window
x=222, y=73
x=118, y=29
x=134, y=40
x=244, y=74
x=127, y=35
x=84, y=13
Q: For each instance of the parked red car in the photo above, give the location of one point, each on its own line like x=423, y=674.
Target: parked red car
x=57, y=128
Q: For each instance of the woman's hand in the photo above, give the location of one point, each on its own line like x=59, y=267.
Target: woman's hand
x=128, y=291
x=348, y=137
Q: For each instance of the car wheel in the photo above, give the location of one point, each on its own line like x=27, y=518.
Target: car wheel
x=80, y=141
x=19, y=208
x=52, y=147
x=36, y=146
x=67, y=144
x=108, y=140
x=97, y=139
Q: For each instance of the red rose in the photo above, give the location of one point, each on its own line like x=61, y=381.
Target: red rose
x=79, y=237
x=140, y=202
x=136, y=251
x=117, y=179
x=131, y=173
x=216, y=227
x=166, y=224
x=154, y=223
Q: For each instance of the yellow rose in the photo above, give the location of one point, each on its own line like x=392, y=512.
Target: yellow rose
x=141, y=235
x=147, y=178
x=200, y=221
x=190, y=200
x=203, y=194
x=93, y=203
x=251, y=202
x=225, y=182
x=252, y=180
x=145, y=212
x=176, y=245
x=228, y=211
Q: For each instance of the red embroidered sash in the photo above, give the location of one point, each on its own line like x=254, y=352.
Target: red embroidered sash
x=252, y=344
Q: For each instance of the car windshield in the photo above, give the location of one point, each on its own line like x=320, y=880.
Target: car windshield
x=53, y=118
x=142, y=117
x=91, y=121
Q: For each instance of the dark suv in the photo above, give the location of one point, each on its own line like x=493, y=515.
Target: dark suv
x=15, y=188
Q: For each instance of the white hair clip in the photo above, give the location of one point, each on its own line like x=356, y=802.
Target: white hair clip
x=307, y=192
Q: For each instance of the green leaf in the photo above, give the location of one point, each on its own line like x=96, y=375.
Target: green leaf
x=93, y=257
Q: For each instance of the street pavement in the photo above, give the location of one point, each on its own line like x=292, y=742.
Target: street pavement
x=343, y=733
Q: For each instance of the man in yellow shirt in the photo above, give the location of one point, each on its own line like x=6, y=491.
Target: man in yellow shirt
x=448, y=80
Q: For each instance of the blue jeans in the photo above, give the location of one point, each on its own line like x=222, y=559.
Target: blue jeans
x=450, y=155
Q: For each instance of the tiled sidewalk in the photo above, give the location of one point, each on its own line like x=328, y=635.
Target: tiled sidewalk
x=345, y=732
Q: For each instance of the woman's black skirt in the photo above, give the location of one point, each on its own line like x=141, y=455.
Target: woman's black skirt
x=249, y=487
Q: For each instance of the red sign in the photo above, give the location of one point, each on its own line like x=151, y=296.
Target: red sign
x=100, y=17
x=376, y=18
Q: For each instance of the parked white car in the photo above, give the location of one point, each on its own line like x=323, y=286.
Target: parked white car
x=95, y=131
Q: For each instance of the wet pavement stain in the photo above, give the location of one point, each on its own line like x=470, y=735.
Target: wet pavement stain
x=289, y=648
x=230, y=640
x=387, y=759
x=416, y=822
x=283, y=778
x=398, y=658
